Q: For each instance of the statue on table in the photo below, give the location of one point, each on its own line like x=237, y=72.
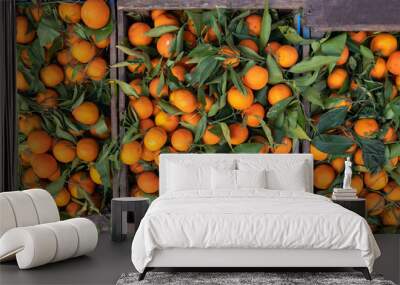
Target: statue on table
x=347, y=174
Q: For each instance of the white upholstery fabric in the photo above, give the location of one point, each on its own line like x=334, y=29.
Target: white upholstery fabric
x=23, y=208
x=46, y=209
x=87, y=235
x=7, y=218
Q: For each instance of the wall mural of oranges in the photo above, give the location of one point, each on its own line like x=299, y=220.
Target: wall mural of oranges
x=203, y=81
x=64, y=96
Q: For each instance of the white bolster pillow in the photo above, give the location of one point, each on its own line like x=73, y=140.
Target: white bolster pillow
x=7, y=218
x=23, y=208
x=45, y=205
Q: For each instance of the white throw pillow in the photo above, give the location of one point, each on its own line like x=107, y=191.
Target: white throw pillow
x=181, y=177
x=223, y=179
x=251, y=178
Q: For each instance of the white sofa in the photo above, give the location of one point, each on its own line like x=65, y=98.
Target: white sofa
x=31, y=231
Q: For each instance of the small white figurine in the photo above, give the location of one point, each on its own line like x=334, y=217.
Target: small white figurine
x=347, y=174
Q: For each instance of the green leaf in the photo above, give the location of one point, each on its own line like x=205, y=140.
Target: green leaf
x=278, y=108
x=334, y=46
x=200, y=129
x=225, y=132
x=394, y=150
x=366, y=53
x=137, y=54
x=267, y=132
x=54, y=187
x=331, y=119
x=237, y=81
x=291, y=35
x=265, y=26
x=298, y=133
x=160, y=30
x=274, y=71
x=307, y=79
x=373, y=153
x=46, y=32
x=168, y=108
x=126, y=88
x=248, y=148
x=160, y=84
x=333, y=144
x=312, y=95
x=313, y=64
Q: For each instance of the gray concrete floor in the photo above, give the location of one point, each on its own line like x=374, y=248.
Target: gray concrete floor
x=102, y=266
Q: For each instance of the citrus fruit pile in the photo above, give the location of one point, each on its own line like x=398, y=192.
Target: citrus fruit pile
x=63, y=95
x=356, y=113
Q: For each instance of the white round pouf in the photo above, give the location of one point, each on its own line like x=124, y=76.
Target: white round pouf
x=46, y=208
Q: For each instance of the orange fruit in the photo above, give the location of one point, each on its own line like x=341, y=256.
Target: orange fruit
x=253, y=23
x=137, y=86
x=153, y=88
x=83, y=51
x=64, y=151
x=26, y=58
x=374, y=204
x=184, y=100
x=148, y=155
x=142, y=106
x=62, y=198
x=136, y=168
x=86, y=113
x=238, y=133
x=87, y=149
x=358, y=37
x=272, y=47
x=256, y=77
x=208, y=104
x=156, y=108
x=384, y=44
x=97, y=69
x=166, y=121
x=390, y=135
x=72, y=209
x=344, y=56
x=22, y=84
x=366, y=127
x=391, y=217
x=249, y=44
x=55, y=175
x=179, y=72
x=191, y=118
x=44, y=165
x=182, y=139
x=238, y=100
x=392, y=190
x=80, y=181
x=28, y=123
x=376, y=181
x=379, y=70
x=74, y=74
x=394, y=92
x=397, y=82
x=101, y=43
x=342, y=101
x=210, y=35
x=165, y=19
x=164, y=44
x=231, y=56
x=155, y=138
x=393, y=63
x=136, y=192
x=95, y=175
x=324, y=174
x=30, y=179
x=148, y=182
x=64, y=57
x=337, y=78
x=156, y=12
x=357, y=183
x=209, y=138
x=317, y=154
x=24, y=33
x=51, y=75
x=135, y=67
x=358, y=157
x=261, y=140
x=285, y=146
x=39, y=141
x=95, y=14
x=254, y=115
x=47, y=99
x=69, y=12
x=103, y=134
x=145, y=124
x=286, y=56
x=130, y=152
x=278, y=93
x=36, y=12
x=71, y=37
x=190, y=39
x=137, y=34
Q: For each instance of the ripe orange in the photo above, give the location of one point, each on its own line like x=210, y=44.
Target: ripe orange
x=191, y=118
x=179, y=72
x=390, y=135
x=397, y=81
x=190, y=39
x=153, y=88
x=55, y=175
x=278, y=93
x=28, y=123
x=136, y=168
x=253, y=23
x=44, y=165
x=209, y=138
x=64, y=57
x=145, y=124
x=148, y=182
x=379, y=70
x=324, y=174
x=83, y=51
x=358, y=157
x=344, y=56
x=75, y=75
x=39, y=141
x=72, y=209
x=209, y=102
x=22, y=84
x=70, y=12
x=392, y=190
x=249, y=44
x=80, y=181
x=137, y=34
x=261, y=140
x=142, y=106
x=137, y=86
x=165, y=19
x=95, y=14
x=135, y=67
x=357, y=183
x=36, y=12
x=238, y=133
x=71, y=37
x=164, y=45
x=338, y=164
x=210, y=35
x=358, y=37
x=47, y=99
x=374, y=204
x=87, y=149
x=272, y=47
x=256, y=77
x=285, y=146
x=343, y=101
x=184, y=100
x=87, y=113
x=376, y=181
x=24, y=34
x=366, y=127
x=286, y=56
x=51, y=75
x=182, y=139
x=231, y=56
x=30, y=179
x=155, y=138
x=130, y=152
x=254, y=115
x=337, y=78
x=166, y=121
x=26, y=58
x=62, y=198
x=64, y=151
x=238, y=100
x=317, y=154
x=101, y=43
x=156, y=12
x=394, y=92
x=391, y=217
x=95, y=175
x=384, y=44
x=148, y=155
x=97, y=69
x=393, y=63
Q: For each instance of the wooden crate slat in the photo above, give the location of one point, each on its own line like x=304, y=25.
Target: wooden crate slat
x=355, y=15
x=133, y=5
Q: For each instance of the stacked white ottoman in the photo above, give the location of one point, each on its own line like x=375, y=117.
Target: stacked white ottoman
x=31, y=230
